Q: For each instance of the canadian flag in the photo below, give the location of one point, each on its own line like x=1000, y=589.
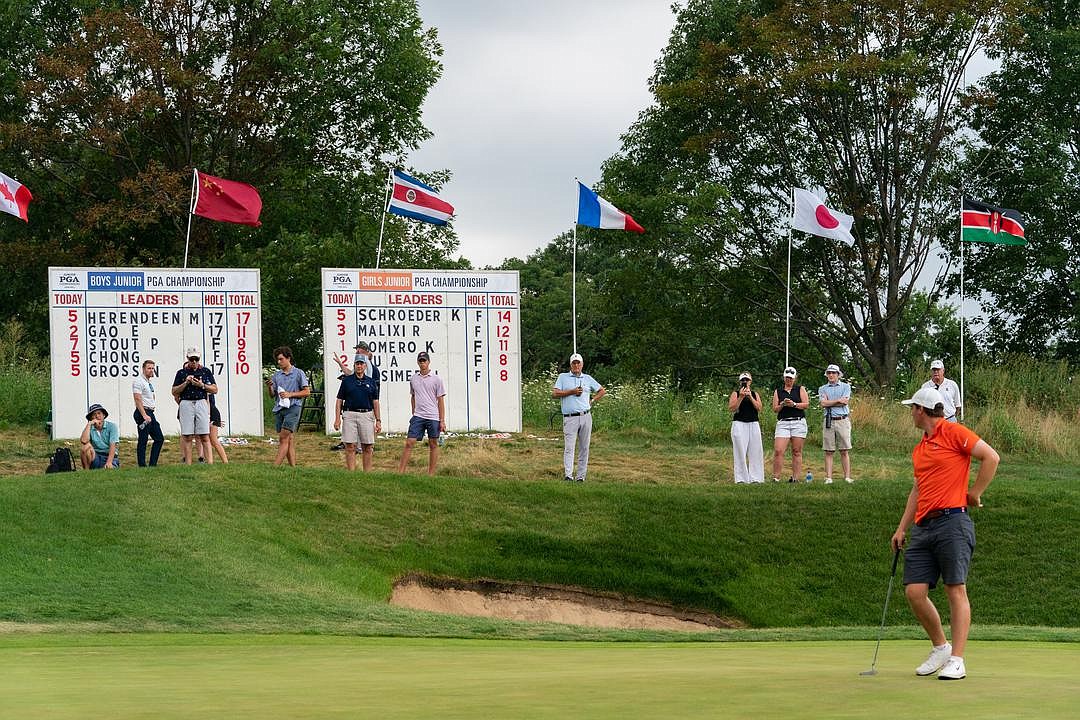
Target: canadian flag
x=813, y=217
x=14, y=197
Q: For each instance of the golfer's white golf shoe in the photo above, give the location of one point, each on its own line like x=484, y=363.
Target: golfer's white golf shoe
x=953, y=670
x=938, y=658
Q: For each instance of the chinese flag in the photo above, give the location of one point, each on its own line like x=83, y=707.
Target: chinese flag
x=227, y=200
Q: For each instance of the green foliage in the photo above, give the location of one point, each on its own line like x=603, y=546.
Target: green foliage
x=24, y=379
x=752, y=99
x=1026, y=157
x=117, y=102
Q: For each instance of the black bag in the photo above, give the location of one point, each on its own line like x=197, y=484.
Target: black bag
x=62, y=461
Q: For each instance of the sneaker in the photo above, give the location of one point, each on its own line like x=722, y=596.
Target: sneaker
x=568, y=479
x=791, y=479
x=849, y=480
x=953, y=670
x=937, y=659
x=828, y=481
x=776, y=479
x=581, y=479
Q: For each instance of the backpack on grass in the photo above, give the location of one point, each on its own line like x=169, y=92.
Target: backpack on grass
x=61, y=461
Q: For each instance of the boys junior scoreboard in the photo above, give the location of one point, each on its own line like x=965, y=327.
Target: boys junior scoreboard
x=467, y=321
x=104, y=322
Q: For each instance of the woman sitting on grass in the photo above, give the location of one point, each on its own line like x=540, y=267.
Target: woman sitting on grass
x=99, y=440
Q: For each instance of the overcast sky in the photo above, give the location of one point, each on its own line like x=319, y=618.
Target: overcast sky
x=532, y=95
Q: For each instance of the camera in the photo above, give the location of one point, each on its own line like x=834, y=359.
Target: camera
x=744, y=382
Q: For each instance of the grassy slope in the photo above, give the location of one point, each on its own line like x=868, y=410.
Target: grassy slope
x=251, y=547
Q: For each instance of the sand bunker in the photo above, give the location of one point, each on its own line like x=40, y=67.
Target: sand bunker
x=543, y=603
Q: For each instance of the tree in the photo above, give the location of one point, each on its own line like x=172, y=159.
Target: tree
x=861, y=99
x=305, y=100
x=1027, y=156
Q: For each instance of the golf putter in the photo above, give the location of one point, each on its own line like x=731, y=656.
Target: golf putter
x=888, y=593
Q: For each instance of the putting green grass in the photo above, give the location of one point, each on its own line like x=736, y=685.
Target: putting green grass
x=266, y=677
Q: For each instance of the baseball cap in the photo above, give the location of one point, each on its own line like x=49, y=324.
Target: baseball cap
x=361, y=345
x=937, y=365
x=745, y=376
x=360, y=358
x=833, y=368
x=192, y=352
x=423, y=356
x=925, y=397
x=576, y=357
x=94, y=408
x=790, y=372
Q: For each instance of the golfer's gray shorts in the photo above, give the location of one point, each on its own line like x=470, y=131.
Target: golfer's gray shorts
x=940, y=549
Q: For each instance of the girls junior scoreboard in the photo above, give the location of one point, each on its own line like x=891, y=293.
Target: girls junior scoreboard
x=104, y=322
x=467, y=321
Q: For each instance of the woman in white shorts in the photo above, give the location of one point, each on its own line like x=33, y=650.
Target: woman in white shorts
x=789, y=402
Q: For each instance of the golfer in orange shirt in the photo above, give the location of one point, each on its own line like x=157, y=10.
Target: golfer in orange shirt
x=943, y=536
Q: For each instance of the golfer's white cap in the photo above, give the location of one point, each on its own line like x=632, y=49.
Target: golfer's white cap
x=937, y=365
x=928, y=398
x=576, y=357
x=192, y=352
x=833, y=368
x=790, y=372
x=745, y=376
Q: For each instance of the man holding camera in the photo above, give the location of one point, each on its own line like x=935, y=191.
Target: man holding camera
x=836, y=435
x=191, y=387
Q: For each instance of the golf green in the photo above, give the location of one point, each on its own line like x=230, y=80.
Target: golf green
x=208, y=676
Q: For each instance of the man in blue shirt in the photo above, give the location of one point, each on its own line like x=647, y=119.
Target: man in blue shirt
x=288, y=387
x=836, y=434
x=358, y=406
x=99, y=440
x=191, y=386
x=574, y=389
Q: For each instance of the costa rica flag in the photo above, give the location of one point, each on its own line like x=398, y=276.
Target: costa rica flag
x=413, y=199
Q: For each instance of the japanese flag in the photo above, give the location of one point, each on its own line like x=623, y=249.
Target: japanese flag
x=813, y=217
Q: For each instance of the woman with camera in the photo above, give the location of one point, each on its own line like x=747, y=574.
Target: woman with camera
x=789, y=402
x=746, y=432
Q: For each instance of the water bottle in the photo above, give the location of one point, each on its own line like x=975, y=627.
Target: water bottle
x=809, y=476
x=142, y=425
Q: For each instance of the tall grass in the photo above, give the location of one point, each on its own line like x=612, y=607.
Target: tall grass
x=24, y=379
x=1021, y=406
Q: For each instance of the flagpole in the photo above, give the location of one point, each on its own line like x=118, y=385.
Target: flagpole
x=573, y=287
x=962, y=402
x=191, y=210
x=382, y=222
x=787, y=311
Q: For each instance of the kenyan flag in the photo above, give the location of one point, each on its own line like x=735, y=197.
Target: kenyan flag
x=991, y=224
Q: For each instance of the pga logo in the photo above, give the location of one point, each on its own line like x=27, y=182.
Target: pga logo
x=67, y=280
x=342, y=281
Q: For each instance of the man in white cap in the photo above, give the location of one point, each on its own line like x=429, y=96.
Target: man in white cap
x=943, y=535
x=836, y=433
x=575, y=389
x=191, y=387
x=950, y=391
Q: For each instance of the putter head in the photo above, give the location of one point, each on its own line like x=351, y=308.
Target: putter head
x=871, y=671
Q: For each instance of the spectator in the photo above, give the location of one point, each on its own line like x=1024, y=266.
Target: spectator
x=789, y=402
x=99, y=440
x=950, y=391
x=358, y=407
x=145, y=404
x=288, y=387
x=746, y=432
x=191, y=387
x=836, y=433
x=574, y=389
x=427, y=394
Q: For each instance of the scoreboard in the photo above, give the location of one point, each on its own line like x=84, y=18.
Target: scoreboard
x=104, y=322
x=468, y=321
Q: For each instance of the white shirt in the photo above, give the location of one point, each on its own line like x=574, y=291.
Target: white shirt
x=142, y=386
x=950, y=392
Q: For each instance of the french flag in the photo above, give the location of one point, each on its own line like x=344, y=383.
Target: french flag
x=413, y=199
x=595, y=211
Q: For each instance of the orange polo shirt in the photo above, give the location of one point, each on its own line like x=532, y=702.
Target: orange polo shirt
x=942, y=463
